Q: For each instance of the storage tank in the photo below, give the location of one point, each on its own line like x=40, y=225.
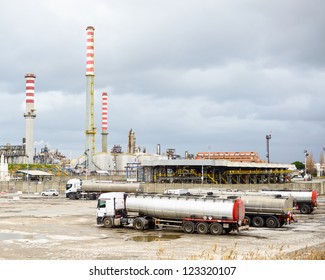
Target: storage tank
x=108, y=186
x=180, y=207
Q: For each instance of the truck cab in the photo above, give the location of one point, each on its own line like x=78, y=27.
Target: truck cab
x=110, y=206
x=73, y=187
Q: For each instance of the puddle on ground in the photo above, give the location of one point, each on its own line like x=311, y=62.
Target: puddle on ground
x=16, y=236
x=151, y=238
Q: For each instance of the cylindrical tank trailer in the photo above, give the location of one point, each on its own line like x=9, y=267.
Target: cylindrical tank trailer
x=192, y=214
x=102, y=186
x=305, y=200
x=261, y=210
x=76, y=188
x=180, y=207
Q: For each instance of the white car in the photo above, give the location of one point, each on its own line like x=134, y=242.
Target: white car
x=52, y=192
x=297, y=178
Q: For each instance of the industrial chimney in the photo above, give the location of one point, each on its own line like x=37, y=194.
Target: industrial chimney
x=90, y=125
x=104, y=121
x=29, y=117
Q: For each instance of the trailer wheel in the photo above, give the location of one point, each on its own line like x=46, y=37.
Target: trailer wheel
x=272, y=222
x=305, y=209
x=216, y=229
x=258, y=221
x=202, y=228
x=188, y=227
x=108, y=222
x=139, y=223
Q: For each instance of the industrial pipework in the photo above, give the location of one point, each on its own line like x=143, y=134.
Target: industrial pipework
x=90, y=125
x=29, y=117
x=104, y=121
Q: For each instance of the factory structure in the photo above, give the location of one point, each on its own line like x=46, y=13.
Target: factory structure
x=136, y=164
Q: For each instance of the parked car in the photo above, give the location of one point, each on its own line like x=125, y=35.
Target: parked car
x=52, y=192
x=297, y=178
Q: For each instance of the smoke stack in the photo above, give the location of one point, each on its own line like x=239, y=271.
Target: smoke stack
x=104, y=121
x=90, y=51
x=90, y=125
x=29, y=117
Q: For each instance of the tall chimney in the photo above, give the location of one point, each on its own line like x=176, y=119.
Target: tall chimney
x=90, y=125
x=104, y=121
x=29, y=117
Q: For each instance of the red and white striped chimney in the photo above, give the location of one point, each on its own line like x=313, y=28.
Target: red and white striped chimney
x=90, y=51
x=30, y=90
x=29, y=117
x=104, y=121
x=90, y=124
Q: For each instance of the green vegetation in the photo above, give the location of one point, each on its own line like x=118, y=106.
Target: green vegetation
x=51, y=168
x=299, y=165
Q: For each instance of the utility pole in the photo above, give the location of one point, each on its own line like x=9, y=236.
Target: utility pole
x=268, y=137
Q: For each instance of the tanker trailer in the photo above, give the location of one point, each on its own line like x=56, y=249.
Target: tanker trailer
x=260, y=210
x=189, y=213
x=77, y=189
x=306, y=200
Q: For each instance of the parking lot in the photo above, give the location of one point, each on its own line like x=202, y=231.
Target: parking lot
x=55, y=228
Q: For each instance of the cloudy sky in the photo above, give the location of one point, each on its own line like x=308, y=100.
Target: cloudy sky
x=194, y=75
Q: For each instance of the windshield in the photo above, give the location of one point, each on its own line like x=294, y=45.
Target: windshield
x=68, y=186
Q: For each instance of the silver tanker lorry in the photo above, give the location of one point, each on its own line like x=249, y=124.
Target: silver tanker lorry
x=305, y=200
x=260, y=210
x=78, y=189
x=189, y=213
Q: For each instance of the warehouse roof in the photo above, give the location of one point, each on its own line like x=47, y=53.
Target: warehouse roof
x=220, y=163
x=35, y=172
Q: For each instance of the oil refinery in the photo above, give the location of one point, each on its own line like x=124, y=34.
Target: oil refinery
x=136, y=164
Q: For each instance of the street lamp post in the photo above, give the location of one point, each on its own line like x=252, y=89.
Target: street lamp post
x=268, y=137
x=306, y=155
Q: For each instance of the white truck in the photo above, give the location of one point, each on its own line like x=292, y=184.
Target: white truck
x=78, y=189
x=150, y=211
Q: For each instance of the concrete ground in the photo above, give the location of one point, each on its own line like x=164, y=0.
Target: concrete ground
x=54, y=228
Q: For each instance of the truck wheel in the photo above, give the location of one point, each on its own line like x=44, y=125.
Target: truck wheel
x=139, y=223
x=272, y=222
x=216, y=229
x=108, y=222
x=258, y=221
x=202, y=228
x=188, y=227
x=305, y=209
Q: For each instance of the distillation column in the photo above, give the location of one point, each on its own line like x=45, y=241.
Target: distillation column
x=29, y=117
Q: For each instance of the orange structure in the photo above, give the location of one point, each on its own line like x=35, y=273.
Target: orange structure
x=231, y=156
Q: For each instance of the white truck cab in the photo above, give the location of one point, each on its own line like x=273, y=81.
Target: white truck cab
x=110, y=204
x=73, y=186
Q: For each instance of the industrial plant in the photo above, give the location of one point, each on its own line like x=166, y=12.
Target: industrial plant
x=136, y=164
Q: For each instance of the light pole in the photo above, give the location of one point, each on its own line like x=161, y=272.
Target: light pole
x=268, y=137
x=202, y=178
x=86, y=163
x=306, y=155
